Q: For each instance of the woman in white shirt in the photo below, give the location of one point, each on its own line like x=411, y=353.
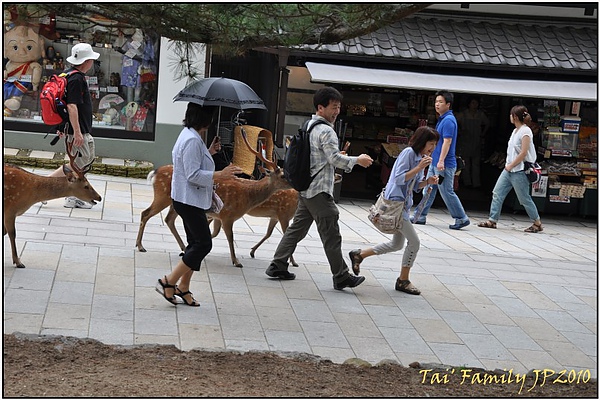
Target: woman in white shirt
x=191, y=191
x=520, y=149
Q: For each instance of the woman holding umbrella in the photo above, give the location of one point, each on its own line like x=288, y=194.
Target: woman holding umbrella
x=191, y=191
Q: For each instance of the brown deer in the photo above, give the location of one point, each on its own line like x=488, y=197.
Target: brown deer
x=238, y=195
x=22, y=189
x=279, y=207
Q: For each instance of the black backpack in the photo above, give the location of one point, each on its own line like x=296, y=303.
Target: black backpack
x=296, y=166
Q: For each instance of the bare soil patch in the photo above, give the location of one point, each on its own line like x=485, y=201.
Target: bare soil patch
x=59, y=366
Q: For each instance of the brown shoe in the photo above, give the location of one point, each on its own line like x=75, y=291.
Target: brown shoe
x=403, y=286
x=355, y=259
x=535, y=228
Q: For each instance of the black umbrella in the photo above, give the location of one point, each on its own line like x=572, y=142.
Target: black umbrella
x=222, y=92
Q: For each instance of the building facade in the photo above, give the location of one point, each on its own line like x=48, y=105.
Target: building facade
x=540, y=55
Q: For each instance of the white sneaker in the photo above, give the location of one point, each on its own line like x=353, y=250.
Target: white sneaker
x=74, y=202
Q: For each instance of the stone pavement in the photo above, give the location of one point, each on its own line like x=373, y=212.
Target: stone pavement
x=494, y=299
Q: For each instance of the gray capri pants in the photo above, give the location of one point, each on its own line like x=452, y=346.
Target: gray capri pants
x=407, y=232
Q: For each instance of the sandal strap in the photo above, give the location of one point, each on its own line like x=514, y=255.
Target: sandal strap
x=166, y=284
x=534, y=228
x=182, y=294
x=356, y=257
x=403, y=283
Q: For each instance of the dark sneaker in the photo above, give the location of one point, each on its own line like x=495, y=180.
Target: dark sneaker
x=460, y=225
x=285, y=275
x=351, y=281
x=418, y=222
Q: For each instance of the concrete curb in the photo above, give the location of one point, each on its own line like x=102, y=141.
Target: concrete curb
x=102, y=165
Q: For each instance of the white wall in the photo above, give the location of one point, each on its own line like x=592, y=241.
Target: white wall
x=529, y=10
x=169, y=112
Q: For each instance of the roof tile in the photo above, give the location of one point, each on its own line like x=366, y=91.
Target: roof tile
x=543, y=55
x=548, y=63
x=476, y=42
x=513, y=62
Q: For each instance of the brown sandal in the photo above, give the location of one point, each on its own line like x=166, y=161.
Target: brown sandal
x=402, y=286
x=535, y=228
x=487, y=224
x=356, y=259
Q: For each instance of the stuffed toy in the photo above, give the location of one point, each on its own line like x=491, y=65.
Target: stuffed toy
x=23, y=47
x=111, y=116
x=8, y=23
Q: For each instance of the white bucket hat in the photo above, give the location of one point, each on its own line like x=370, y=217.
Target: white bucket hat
x=82, y=52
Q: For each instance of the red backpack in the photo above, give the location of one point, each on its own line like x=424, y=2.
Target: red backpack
x=52, y=99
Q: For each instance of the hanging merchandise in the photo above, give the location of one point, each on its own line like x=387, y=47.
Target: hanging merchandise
x=106, y=101
x=139, y=119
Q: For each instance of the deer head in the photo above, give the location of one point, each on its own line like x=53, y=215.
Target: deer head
x=22, y=189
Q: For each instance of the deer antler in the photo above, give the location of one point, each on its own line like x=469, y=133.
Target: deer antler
x=270, y=164
x=76, y=169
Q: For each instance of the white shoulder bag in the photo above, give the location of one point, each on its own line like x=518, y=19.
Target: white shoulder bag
x=386, y=215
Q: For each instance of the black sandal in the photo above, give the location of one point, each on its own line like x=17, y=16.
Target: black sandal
x=356, y=259
x=402, y=286
x=182, y=295
x=164, y=286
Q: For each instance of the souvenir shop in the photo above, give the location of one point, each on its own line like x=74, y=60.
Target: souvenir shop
x=122, y=82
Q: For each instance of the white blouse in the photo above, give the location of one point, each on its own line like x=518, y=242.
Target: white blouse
x=514, y=147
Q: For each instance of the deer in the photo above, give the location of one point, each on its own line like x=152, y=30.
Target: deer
x=22, y=189
x=279, y=207
x=238, y=195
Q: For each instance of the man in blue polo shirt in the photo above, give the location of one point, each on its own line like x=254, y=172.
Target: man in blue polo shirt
x=444, y=163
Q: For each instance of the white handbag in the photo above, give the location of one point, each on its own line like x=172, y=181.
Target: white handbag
x=217, y=203
x=386, y=215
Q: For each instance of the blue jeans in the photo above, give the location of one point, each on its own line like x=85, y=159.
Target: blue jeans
x=506, y=182
x=450, y=198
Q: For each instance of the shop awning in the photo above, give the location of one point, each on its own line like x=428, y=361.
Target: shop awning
x=329, y=73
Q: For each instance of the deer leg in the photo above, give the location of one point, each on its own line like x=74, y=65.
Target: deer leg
x=284, y=223
x=272, y=223
x=170, y=221
x=146, y=215
x=228, y=228
x=12, y=235
x=216, y=227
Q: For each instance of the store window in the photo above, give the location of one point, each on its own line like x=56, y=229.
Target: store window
x=122, y=82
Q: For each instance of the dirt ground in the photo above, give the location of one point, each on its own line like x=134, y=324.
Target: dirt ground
x=70, y=367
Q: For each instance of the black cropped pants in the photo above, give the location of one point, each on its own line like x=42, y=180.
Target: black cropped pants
x=198, y=234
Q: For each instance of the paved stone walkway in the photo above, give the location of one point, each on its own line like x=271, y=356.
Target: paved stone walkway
x=491, y=298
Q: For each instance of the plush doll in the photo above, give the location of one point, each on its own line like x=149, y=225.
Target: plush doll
x=8, y=24
x=111, y=116
x=23, y=47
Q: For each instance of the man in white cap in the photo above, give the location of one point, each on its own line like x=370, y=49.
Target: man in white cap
x=79, y=107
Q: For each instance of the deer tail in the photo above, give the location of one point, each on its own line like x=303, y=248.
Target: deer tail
x=151, y=176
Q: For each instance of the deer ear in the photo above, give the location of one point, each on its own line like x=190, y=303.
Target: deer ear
x=69, y=174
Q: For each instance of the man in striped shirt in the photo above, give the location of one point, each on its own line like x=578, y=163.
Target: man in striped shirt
x=316, y=203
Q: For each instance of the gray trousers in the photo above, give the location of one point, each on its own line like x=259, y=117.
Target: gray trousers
x=324, y=212
x=406, y=233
